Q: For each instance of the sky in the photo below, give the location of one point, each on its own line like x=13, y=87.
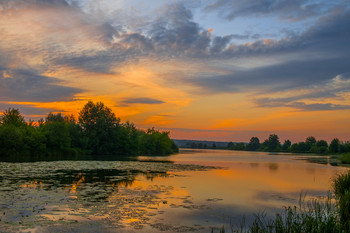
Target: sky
x=202, y=69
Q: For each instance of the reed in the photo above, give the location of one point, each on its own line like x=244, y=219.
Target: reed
x=330, y=214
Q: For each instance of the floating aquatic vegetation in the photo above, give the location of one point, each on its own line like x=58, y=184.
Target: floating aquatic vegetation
x=85, y=195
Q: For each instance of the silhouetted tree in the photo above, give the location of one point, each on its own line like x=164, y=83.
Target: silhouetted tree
x=58, y=140
x=98, y=123
x=286, y=145
x=12, y=116
x=51, y=117
x=254, y=144
x=98, y=132
x=273, y=142
x=239, y=146
x=334, y=146
x=320, y=147
x=301, y=147
x=320, y=143
x=310, y=140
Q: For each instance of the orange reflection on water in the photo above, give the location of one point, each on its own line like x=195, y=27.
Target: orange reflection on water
x=73, y=188
x=33, y=185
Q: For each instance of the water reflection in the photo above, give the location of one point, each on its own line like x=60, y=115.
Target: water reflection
x=273, y=167
x=118, y=194
x=191, y=191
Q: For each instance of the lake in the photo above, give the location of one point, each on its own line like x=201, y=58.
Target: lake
x=193, y=191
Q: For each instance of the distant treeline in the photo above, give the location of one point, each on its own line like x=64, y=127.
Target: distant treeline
x=96, y=132
x=311, y=145
x=202, y=145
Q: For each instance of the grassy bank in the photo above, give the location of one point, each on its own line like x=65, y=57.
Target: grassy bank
x=345, y=158
x=330, y=214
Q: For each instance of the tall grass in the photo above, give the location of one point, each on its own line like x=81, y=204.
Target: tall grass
x=345, y=158
x=341, y=187
x=330, y=214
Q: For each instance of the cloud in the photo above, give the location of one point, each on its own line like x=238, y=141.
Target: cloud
x=29, y=110
x=62, y=35
x=265, y=102
x=286, y=9
x=315, y=56
x=176, y=31
x=335, y=88
x=277, y=77
x=27, y=86
x=39, y=34
x=129, y=101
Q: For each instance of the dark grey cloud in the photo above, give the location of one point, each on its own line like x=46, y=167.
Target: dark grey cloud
x=129, y=101
x=334, y=89
x=99, y=62
x=277, y=77
x=328, y=37
x=173, y=34
x=176, y=32
x=318, y=55
x=266, y=102
x=219, y=44
x=28, y=110
x=286, y=9
x=15, y=4
x=27, y=86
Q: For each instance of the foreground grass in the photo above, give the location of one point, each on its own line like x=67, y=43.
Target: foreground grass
x=345, y=158
x=331, y=214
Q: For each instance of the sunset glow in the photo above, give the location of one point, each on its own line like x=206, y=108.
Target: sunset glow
x=207, y=70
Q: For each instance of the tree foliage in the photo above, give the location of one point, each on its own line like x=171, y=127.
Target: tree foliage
x=273, y=142
x=286, y=145
x=334, y=146
x=12, y=117
x=97, y=132
x=254, y=144
x=310, y=145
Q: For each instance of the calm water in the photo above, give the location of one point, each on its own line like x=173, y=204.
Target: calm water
x=193, y=191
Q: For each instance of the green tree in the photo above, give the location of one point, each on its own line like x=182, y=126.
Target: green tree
x=298, y=147
x=127, y=139
x=153, y=142
x=273, y=142
x=58, y=140
x=35, y=142
x=334, y=146
x=230, y=145
x=99, y=124
x=13, y=117
x=11, y=140
x=321, y=147
x=321, y=143
x=239, y=146
x=254, y=144
x=286, y=145
x=51, y=117
x=310, y=142
x=95, y=115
